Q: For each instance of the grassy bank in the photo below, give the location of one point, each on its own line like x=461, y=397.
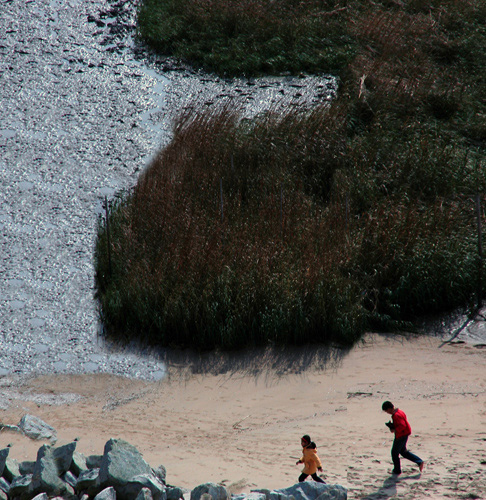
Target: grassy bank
x=251, y=37
x=315, y=224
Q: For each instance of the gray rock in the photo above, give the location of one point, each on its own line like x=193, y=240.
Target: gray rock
x=161, y=473
x=4, y=485
x=11, y=469
x=250, y=496
x=262, y=491
x=217, y=491
x=26, y=467
x=50, y=465
x=41, y=496
x=149, y=481
x=106, y=494
x=35, y=428
x=94, y=461
x=63, y=455
x=21, y=487
x=70, y=478
x=88, y=481
x=121, y=462
x=3, y=458
x=69, y=493
x=124, y=475
x=174, y=493
x=144, y=494
x=308, y=490
x=335, y=492
x=79, y=464
x=6, y=427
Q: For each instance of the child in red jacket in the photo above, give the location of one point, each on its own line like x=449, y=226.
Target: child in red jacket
x=402, y=430
x=310, y=459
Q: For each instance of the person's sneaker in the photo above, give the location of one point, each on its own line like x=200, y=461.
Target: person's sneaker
x=394, y=473
x=421, y=466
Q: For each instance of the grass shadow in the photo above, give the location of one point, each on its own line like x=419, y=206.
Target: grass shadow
x=271, y=361
x=274, y=361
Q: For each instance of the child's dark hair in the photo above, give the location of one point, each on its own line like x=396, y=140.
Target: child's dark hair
x=387, y=405
x=306, y=438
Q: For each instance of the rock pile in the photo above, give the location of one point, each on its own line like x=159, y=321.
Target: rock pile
x=122, y=474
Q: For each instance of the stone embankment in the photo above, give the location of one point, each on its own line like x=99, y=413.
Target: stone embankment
x=120, y=473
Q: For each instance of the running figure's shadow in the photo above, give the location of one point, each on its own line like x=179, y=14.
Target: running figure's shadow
x=389, y=488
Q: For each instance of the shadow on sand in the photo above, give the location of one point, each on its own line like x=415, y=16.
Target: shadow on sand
x=277, y=361
x=389, y=488
x=273, y=361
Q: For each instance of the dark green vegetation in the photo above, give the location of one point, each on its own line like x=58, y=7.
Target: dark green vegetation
x=250, y=37
x=317, y=224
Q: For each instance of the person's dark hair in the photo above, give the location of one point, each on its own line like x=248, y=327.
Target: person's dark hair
x=306, y=438
x=387, y=405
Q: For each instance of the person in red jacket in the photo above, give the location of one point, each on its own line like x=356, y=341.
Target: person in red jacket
x=311, y=461
x=402, y=430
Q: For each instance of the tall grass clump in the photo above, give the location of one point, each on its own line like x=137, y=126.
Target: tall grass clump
x=225, y=241
x=312, y=225
x=275, y=230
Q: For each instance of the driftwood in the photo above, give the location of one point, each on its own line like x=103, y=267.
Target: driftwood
x=357, y=394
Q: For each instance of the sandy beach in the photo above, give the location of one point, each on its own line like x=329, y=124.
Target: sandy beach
x=238, y=421
x=242, y=428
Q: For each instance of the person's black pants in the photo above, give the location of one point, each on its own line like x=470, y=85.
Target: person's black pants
x=314, y=476
x=400, y=448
